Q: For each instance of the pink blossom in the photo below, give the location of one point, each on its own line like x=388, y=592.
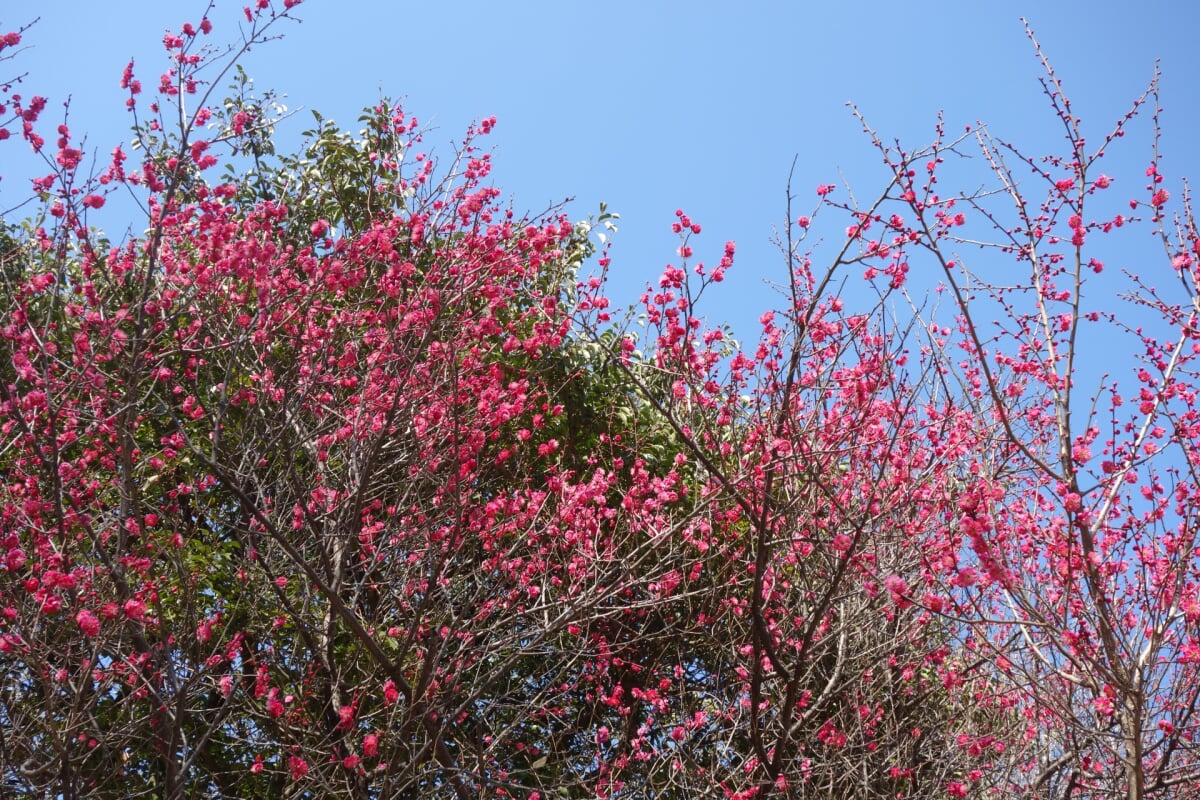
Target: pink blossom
x=88, y=623
x=896, y=586
x=345, y=718
x=15, y=559
x=274, y=704
x=298, y=767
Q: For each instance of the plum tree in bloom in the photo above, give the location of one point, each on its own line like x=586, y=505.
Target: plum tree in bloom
x=346, y=481
x=1068, y=560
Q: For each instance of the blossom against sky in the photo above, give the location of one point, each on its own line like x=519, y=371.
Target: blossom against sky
x=652, y=106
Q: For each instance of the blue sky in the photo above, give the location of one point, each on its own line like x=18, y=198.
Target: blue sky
x=652, y=106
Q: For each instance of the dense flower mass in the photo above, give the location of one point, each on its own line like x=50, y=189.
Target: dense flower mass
x=344, y=480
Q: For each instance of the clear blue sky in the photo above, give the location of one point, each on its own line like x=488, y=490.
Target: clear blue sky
x=650, y=106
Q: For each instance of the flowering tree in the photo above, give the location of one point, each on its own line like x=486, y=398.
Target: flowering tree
x=1069, y=560
x=344, y=480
